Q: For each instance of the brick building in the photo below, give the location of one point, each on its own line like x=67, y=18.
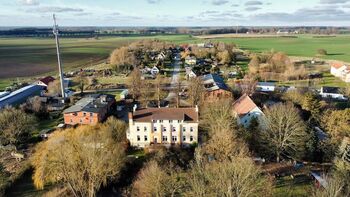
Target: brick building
x=89, y=110
x=215, y=88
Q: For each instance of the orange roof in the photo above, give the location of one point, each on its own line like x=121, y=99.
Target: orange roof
x=243, y=105
x=337, y=65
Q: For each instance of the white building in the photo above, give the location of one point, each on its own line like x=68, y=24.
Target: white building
x=189, y=73
x=342, y=71
x=161, y=56
x=265, y=86
x=44, y=81
x=163, y=126
x=245, y=109
x=191, y=60
x=155, y=70
x=332, y=92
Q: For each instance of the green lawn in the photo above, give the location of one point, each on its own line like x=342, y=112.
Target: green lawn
x=288, y=187
x=327, y=80
x=304, y=45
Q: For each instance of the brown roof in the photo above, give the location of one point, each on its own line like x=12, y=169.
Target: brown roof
x=243, y=105
x=337, y=65
x=149, y=114
x=47, y=80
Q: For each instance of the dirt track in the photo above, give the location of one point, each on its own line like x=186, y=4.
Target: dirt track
x=238, y=36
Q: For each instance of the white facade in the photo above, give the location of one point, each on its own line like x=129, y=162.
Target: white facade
x=266, y=87
x=343, y=72
x=332, y=94
x=245, y=120
x=166, y=132
x=191, y=60
x=154, y=71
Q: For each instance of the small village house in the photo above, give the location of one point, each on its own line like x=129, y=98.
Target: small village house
x=163, y=126
x=332, y=92
x=245, y=110
x=155, y=70
x=189, y=73
x=45, y=81
x=342, y=71
x=191, y=60
x=266, y=86
x=215, y=88
x=89, y=110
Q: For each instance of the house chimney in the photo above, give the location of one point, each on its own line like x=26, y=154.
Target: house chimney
x=130, y=118
x=134, y=108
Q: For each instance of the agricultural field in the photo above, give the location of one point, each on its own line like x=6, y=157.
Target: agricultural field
x=21, y=58
x=301, y=45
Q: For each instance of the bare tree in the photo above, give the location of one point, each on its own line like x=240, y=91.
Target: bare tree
x=218, y=116
x=238, y=177
x=178, y=91
x=35, y=105
x=54, y=88
x=248, y=85
x=160, y=94
x=83, y=159
x=224, y=145
x=156, y=180
x=196, y=91
x=15, y=125
x=284, y=132
x=135, y=83
x=334, y=188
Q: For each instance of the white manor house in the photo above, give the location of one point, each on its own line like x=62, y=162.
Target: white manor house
x=163, y=126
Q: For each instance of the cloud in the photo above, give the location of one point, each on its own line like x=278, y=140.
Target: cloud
x=252, y=8
x=219, y=2
x=153, y=1
x=319, y=14
x=29, y=2
x=253, y=3
x=54, y=9
x=333, y=1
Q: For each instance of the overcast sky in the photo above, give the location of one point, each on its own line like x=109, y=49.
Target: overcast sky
x=175, y=12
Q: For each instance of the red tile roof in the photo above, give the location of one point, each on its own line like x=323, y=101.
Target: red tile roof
x=243, y=105
x=149, y=114
x=337, y=65
x=47, y=80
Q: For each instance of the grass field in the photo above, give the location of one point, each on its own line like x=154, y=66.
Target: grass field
x=302, y=45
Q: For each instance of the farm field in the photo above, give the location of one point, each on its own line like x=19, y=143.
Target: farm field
x=23, y=57
x=28, y=57
x=302, y=45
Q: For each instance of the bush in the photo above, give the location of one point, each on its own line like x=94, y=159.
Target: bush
x=322, y=52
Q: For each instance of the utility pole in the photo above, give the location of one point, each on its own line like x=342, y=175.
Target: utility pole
x=55, y=32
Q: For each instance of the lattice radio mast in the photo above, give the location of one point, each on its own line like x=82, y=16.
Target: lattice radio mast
x=55, y=32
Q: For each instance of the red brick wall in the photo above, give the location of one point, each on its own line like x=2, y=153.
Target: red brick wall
x=217, y=94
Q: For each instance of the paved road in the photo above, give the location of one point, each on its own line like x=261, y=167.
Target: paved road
x=175, y=78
